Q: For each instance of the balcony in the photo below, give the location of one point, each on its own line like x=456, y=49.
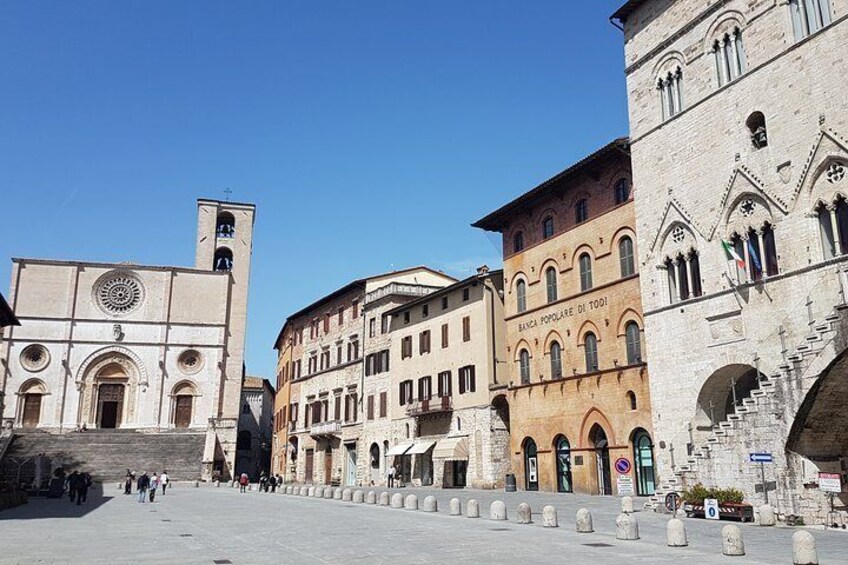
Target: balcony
x=432, y=406
x=399, y=289
x=326, y=429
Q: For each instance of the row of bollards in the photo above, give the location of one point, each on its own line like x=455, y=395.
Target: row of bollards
x=626, y=525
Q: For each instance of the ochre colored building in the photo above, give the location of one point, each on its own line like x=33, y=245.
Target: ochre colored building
x=580, y=412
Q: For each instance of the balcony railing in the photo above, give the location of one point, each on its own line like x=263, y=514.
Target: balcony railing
x=399, y=289
x=432, y=406
x=326, y=429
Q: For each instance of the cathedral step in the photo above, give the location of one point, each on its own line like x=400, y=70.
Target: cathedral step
x=726, y=425
x=734, y=418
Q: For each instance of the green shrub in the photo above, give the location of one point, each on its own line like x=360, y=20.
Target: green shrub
x=699, y=492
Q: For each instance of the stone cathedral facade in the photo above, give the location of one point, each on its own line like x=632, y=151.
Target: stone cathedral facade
x=739, y=141
x=135, y=347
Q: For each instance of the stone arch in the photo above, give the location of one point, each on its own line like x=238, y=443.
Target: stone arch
x=522, y=344
x=671, y=248
x=716, y=397
x=544, y=213
x=821, y=188
x=721, y=24
x=577, y=197
x=616, y=238
x=594, y=417
x=587, y=326
x=30, y=403
x=549, y=262
x=553, y=336
x=736, y=220
x=500, y=409
x=575, y=257
x=519, y=276
x=33, y=386
x=629, y=315
x=91, y=372
x=668, y=63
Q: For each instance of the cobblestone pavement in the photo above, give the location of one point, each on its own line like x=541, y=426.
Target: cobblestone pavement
x=219, y=525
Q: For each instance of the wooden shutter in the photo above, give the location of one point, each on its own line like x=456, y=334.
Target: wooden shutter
x=472, y=378
x=371, y=407
x=444, y=336
x=462, y=381
x=466, y=329
x=383, y=399
x=402, y=393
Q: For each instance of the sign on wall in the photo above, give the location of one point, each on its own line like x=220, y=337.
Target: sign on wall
x=625, y=485
x=564, y=313
x=830, y=482
x=622, y=465
x=532, y=474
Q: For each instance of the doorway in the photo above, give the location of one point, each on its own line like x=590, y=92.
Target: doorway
x=328, y=464
x=110, y=403
x=351, y=465
x=563, y=461
x=32, y=411
x=598, y=437
x=182, y=411
x=310, y=466
x=643, y=457
x=531, y=465
x=374, y=456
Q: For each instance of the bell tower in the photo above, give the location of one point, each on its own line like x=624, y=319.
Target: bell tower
x=224, y=244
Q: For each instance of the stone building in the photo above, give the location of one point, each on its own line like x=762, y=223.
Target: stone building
x=118, y=346
x=255, y=428
x=280, y=454
x=326, y=374
x=578, y=393
x=739, y=141
x=445, y=352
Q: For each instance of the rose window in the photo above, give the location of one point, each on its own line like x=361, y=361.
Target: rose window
x=835, y=172
x=119, y=294
x=747, y=208
x=190, y=361
x=35, y=357
x=677, y=235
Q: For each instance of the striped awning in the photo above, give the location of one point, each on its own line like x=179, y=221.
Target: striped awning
x=399, y=449
x=421, y=447
x=452, y=449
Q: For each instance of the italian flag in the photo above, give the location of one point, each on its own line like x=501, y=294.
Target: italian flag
x=731, y=254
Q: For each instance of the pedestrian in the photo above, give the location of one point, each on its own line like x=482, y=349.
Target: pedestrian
x=392, y=476
x=142, y=485
x=244, y=480
x=83, y=482
x=273, y=482
x=163, y=480
x=128, y=481
x=72, y=486
x=154, y=484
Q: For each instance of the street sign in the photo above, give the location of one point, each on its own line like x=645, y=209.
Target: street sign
x=625, y=485
x=711, y=509
x=622, y=465
x=830, y=482
x=672, y=501
x=761, y=458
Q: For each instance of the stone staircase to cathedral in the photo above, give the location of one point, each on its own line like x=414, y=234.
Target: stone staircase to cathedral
x=106, y=454
x=808, y=358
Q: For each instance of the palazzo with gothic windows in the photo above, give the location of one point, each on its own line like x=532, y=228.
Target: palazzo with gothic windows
x=578, y=392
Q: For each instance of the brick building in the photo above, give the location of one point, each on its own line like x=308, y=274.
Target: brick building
x=578, y=393
x=739, y=139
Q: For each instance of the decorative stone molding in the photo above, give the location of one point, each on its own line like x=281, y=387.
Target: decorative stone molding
x=118, y=293
x=190, y=361
x=35, y=358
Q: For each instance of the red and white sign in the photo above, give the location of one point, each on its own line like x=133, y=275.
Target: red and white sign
x=830, y=482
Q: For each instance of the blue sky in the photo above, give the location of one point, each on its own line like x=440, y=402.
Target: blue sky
x=370, y=134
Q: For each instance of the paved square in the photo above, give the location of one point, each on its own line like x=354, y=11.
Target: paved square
x=209, y=525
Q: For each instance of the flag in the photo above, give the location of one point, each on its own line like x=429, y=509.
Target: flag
x=731, y=254
x=752, y=253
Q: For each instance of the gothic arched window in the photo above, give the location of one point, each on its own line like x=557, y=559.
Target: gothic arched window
x=556, y=361
x=521, y=296
x=585, y=272
x=590, y=345
x=226, y=225
x=551, y=284
x=633, y=340
x=548, y=227
x=625, y=257
x=223, y=260
x=730, y=56
x=518, y=242
x=671, y=93
x=524, y=366
x=622, y=191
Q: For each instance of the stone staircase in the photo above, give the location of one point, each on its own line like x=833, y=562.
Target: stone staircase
x=808, y=359
x=106, y=454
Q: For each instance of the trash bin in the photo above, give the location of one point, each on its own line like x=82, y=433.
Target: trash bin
x=510, y=483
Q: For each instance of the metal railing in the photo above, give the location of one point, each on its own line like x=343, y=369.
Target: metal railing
x=431, y=406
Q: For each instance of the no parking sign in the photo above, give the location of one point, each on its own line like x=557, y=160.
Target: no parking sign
x=711, y=509
x=623, y=466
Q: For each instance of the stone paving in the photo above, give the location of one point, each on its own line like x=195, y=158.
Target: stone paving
x=218, y=525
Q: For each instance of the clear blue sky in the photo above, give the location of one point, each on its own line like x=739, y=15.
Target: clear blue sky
x=370, y=134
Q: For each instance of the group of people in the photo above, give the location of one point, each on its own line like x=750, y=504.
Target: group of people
x=394, y=477
x=146, y=485
x=266, y=483
x=77, y=485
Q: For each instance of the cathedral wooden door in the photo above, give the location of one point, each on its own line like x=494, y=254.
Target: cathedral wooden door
x=110, y=405
x=182, y=412
x=32, y=410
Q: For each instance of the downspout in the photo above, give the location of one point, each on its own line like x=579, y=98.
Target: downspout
x=67, y=361
x=494, y=329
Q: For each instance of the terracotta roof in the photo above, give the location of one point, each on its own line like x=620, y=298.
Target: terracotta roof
x=624, y=12
x=497, y=219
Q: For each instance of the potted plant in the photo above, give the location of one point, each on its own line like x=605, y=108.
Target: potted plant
x=731, y=504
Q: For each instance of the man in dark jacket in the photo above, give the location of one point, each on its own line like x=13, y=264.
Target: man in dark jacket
x=83, y=483
x=142, y=486
x=73, y=482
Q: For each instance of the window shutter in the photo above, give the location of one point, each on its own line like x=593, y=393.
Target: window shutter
x=401, y=395
x=371, y=407
x=461, y=381
x=383, y=397
x=472, y=378
x=440, y=386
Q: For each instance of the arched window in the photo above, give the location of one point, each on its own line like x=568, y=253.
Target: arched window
x=631, y=399
x=551, y=283
x=531, y=465
x=223, y=261
x=590, y=345
x=833, y=225
x=556, y=361
x=622, y=191
x=695, y=270
x=809, y=16
x=524, y=366
x=518, y=242
x=226, y=225
x=682, y=277
x=770, y=251
x=585, y=272
x=625, y=257
x=643, y=456
x=244, y=441
x=245, y=408
x=729, y=56
x=563, y=461
x=374, y=454
x=521, y=296
x=633, y=339
x=671, y=93
x=756, y=125
x=581, y=211
x=547, y=227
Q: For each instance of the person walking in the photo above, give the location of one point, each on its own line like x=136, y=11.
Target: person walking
x=244, y=480
x=83, y=483
x=163, y=480
x=272, y=480
x=128, y=481
x=142, y=486
x=72, y=486
x=154, y=484
x=392, y=476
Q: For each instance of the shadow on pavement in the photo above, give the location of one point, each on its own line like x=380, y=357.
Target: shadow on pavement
x=40, y=508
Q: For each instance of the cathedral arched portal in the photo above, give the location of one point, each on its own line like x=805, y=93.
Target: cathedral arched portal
x=109, y=383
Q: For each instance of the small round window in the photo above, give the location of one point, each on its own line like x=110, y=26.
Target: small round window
x=190, y=361
x=35, y=358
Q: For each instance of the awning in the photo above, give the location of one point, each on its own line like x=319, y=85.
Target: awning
x=452, y=449
x=399, y=449
x=421, y=447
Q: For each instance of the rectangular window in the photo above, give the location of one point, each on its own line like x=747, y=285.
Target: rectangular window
x=384, y=325
x=425, y=388
x=466, y=329
x=425, y=311
x=445, y=337
x=339, y=356
x=406, y=317
x=444, y=303
x=424, y=342
x=369, y=365
x=327, y=323
x=372, y=327
x=445, y=384
x=383, y=402
x=809, y=16
x=385, y=355
x=466, y=294
x=405, y=390
x=341, y=316
x=467, y=379
x=355, y=309
x=370, y=406
x=337, y=407
x=406, y=347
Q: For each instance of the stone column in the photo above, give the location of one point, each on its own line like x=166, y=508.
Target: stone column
x=834, y=222
x=737, y=65
x=689, y=276
x=725, y=63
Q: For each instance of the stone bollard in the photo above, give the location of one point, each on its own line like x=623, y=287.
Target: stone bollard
x=627, y=505
x=626, y=527
x=584, y=522
x=371, y=497
x=318, y=492
x=767, y=518
x=311, y=492
x=296, y=491
x=472, y=509
x=455, y=507
x=338, y=493
x=731, y=541
x=411, y=502
x=497, y=511
x=290, y=489
x=329, y=492
x=305, y=491
x=549, y=517
x=675, y=533
x=430, y=504
x=359, y=497
x=384, y=499
x=804, y=549
x=525, y=515
x=347, y=495
x=196, y=484
x=120, y=486
x=397, y=500
x=217, y=484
